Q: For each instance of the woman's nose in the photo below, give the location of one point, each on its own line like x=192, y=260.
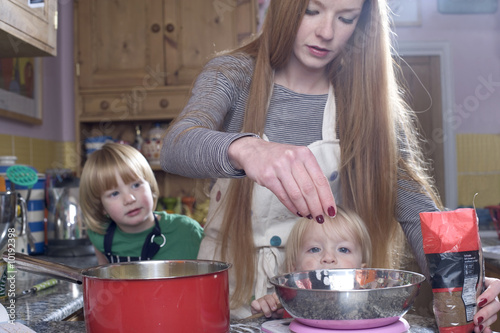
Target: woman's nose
x=325, y=29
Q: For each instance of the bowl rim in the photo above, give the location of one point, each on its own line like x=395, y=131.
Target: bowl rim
x=275, y=283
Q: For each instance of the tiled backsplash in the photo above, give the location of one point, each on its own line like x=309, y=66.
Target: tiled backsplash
x=478, y=167
x=41, y=154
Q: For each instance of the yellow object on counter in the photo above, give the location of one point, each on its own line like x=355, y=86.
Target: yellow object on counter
x=3, y=187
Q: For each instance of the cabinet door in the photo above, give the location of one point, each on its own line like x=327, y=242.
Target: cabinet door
x=197, y=29
x=27, y=31
x=120, y=43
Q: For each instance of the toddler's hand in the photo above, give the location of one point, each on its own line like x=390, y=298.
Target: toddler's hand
x=269, y=305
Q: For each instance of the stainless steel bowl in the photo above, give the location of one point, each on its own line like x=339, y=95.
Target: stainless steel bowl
x=348, y=298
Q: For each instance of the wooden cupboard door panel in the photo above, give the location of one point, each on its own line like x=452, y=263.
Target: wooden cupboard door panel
x=27, y=31
x=194, y=31
x=120, y=43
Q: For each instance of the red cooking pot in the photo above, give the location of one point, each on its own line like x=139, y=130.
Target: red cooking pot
x=147, y=296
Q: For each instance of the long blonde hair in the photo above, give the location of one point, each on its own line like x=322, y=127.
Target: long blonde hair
x=376, y=131
x=347, y=223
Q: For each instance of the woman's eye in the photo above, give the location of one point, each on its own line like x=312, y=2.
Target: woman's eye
x=347, y=21
x=311, y=12
x=314, y=249
x=344, y=250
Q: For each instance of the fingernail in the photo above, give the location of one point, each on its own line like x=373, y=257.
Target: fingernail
x=300, y=215
x=480, y=320
x=331, y=211
x=482, y=302
x=481, y=328
x=320, y=219
x=310, y=217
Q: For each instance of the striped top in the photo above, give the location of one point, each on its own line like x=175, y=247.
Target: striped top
x=220, y=94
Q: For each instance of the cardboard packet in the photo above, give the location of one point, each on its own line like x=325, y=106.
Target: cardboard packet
x=454, y=255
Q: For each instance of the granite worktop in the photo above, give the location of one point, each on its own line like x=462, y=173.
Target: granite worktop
x=45, y=311
x=417, y=325
x=54, y=303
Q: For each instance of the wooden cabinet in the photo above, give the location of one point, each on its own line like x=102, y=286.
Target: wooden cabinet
x=28, y=31
x=136, y=61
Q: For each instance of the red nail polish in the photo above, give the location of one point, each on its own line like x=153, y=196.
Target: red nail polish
x=331, y=211
x=320, y=219
x=480, y=320
x=310, y=217
x=482, y=303
x=300, y=215
x=481, y=328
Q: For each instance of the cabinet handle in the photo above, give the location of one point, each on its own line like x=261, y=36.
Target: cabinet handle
x=104, y=105
x=155, y=28
x=170, y=27
x=164, y=103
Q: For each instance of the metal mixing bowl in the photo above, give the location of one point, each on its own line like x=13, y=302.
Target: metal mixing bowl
x=348, y=298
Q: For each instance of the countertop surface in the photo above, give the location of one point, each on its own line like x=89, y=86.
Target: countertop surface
x=417, y=325
x=54, y=303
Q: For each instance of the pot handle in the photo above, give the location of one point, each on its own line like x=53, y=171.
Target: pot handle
x=31, y=264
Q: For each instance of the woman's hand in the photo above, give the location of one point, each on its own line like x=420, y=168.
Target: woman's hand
x=488, y=306
x=290, y=172
x=269, y=305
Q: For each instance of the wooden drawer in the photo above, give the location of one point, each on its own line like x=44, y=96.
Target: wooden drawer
x=133, y=104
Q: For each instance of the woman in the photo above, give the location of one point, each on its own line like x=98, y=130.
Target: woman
x=311, y=101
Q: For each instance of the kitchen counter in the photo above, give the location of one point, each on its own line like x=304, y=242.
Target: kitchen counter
x=54, y=303
x=417, y=325
x=45, y=311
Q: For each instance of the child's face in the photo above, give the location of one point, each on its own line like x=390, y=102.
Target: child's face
x=322, y=248
x=130, y=205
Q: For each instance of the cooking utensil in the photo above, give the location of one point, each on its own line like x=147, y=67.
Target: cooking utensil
x=41, y=286
x=348, y=298
x=22, y=175
x=147, y=296
x=8, y=213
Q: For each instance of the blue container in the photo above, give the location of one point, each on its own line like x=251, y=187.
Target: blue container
x=36, y=209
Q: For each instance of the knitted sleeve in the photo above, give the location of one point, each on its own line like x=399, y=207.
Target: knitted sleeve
x=196, y=145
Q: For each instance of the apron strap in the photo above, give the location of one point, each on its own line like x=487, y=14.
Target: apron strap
x=149, y=248
x=329, y=129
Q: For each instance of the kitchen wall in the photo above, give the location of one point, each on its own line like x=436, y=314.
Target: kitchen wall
x=474, y=117
x=50, y=145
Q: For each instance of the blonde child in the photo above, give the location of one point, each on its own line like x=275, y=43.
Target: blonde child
x=340, y=242
x=118, y=193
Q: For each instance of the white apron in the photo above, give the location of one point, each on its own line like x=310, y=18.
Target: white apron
x=271, y=220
